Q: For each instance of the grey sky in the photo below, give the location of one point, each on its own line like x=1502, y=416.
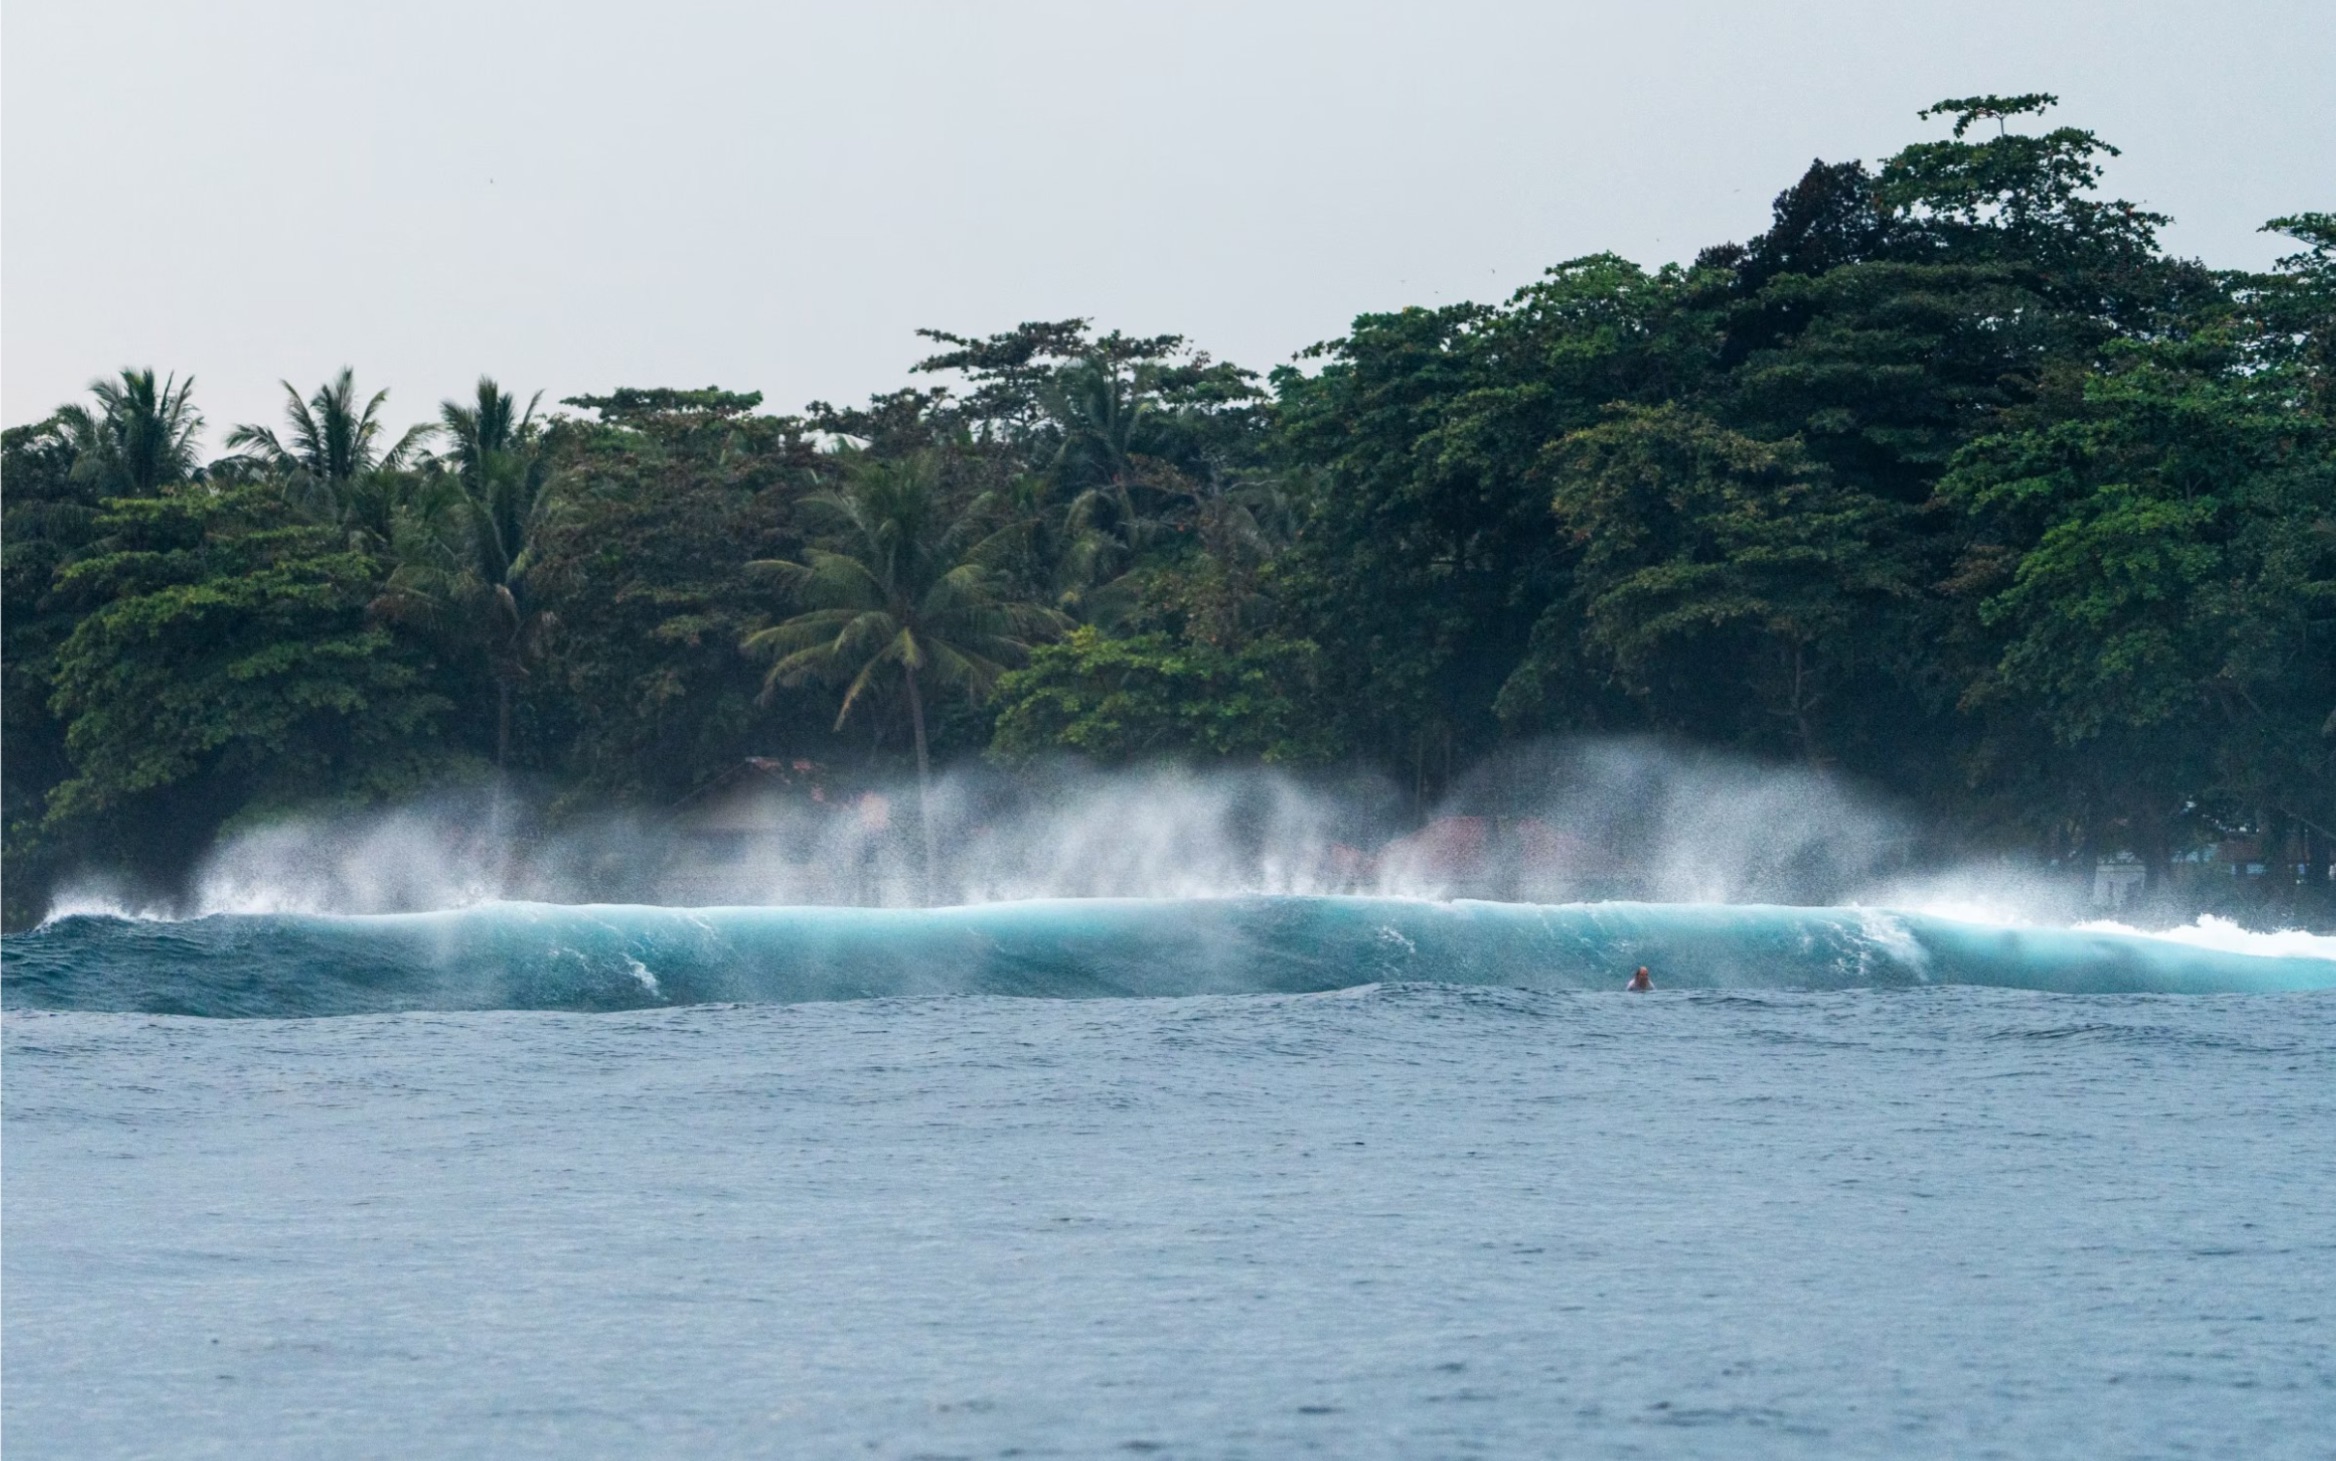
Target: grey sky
x=581, y=195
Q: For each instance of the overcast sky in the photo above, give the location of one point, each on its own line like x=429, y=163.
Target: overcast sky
x=582, y=195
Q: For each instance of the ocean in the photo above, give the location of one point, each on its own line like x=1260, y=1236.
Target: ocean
x=1212, y=1178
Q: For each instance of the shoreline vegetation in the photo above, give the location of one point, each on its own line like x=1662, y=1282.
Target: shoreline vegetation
x=1952, y=483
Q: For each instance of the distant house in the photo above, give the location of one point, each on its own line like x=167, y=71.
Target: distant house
x=2118, y=880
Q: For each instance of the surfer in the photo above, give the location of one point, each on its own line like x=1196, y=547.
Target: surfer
x=1639, y=982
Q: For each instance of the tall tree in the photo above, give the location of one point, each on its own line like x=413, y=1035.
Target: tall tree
x=332, y=453
x=1727, y=584
x=135, y=441
x=2155, y=563
x=465, y=572
x=903, y=585
x=1426, y=552
x=665, y=499
x=329, y=436
x=225, y=657
x=1109, y=445
x=141, y=437
x=48, y=515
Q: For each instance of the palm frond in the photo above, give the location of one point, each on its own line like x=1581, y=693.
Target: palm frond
x=892, y=653
x=406, y=446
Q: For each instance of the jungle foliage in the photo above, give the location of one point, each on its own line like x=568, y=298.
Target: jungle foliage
x=1953, y=479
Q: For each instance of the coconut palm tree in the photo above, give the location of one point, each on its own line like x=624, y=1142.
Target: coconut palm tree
x=1118, y=503
x=1097, y=408
x=465, y=570
x=904, y=588
x=332, y=447
x=332, y=438
x=140, y=439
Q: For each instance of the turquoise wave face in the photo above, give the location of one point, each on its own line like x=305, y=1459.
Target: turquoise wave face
x=563, y=957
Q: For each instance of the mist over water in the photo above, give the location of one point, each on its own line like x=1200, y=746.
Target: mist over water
x=1590, y=820
x=1587, y=821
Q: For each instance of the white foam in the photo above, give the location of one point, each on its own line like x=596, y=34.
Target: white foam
x=1987, y=915
x=97, y=900
x=2224, y=936
x=1894, y=940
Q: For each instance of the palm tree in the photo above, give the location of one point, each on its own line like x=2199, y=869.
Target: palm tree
x=466, y=569
x=333, y=448
x=1120, y=503
x=332, y=439
x=141, y=437
x=905, y=586
x=1097, y=408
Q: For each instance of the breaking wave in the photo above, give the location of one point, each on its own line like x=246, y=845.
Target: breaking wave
x=538, y=956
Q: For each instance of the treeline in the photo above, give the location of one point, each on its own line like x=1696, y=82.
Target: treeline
x=1953, y=480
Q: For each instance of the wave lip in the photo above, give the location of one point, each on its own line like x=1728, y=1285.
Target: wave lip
x=616, y=957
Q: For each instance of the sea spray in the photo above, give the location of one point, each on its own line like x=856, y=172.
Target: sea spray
x=1572, y=821
x=1557, y=867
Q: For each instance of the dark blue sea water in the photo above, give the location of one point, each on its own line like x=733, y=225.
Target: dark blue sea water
x=1292, y=1177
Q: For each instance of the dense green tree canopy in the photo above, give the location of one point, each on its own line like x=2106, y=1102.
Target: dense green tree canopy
x=225, y=662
